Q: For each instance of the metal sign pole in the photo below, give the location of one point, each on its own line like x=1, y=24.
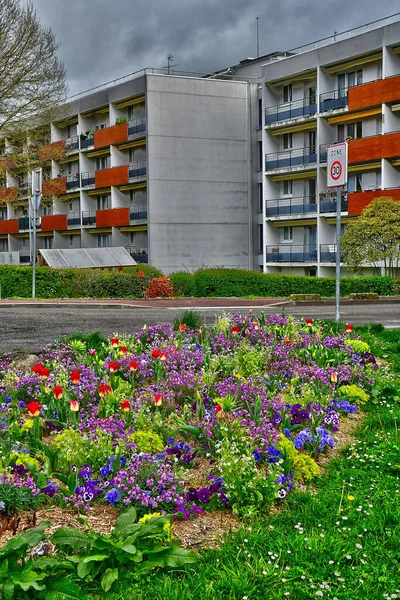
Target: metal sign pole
x=35, y=200
x=338, y=215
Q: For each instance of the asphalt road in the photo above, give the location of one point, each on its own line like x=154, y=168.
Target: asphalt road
x=26, y=327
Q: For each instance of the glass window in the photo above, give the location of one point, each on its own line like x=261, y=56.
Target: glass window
x=103, y=202
x=288, y=234
x=312, y=190
x=288, y=187
x=342, y=84
x=287, y=141
x=287, y=93
x=341, y=130
x=260, y=237
x=260, y=156
x=102, y=162
x=260, y=197
x=359, y=77
x=379, y=124
x=312, y=94
x=103, y=240
x=3, y=245
x=351, y=79
x=260, y=119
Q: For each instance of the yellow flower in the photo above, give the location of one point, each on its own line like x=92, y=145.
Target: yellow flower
x=350, y=498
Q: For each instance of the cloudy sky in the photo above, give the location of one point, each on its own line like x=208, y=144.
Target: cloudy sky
x=105, y=39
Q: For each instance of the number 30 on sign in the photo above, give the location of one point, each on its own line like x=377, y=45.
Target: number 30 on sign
x=337, y=165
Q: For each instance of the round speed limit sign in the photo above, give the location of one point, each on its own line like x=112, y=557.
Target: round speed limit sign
x=336, y=170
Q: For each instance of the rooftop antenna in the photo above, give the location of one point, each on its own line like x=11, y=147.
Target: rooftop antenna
x=170, y=58
x=258, y=41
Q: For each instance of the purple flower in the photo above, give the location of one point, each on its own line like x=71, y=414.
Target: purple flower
x=203, y=495
x=113, y=496
x=49, y=490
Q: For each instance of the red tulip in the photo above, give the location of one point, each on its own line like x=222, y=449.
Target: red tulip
x=34, y=408
x=133, y=365
x=140, y=273
x=104, y=389
x=158, y=400
x=39, y=369
x=250, y=311
x=113, y=366
x=74, y=405
x=123, y=349
x=287, y=340
x=45, y=373
x=256, y=325
x=182, y=327
x=334, y=377
x=75, y=377
x=125, y=406
x=235, y=329
x=114, y=342
x=309, y=321
x=155, y=353
x=218, y=408
x=349, y=327
x=57, y=392
x=163, y=356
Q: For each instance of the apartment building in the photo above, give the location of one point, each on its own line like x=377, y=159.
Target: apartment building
x=347, y=89
x=157, y=164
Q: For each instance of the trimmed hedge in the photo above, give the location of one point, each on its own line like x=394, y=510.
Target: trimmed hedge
x=16, y=282
x=235, y=282
x=183, y=283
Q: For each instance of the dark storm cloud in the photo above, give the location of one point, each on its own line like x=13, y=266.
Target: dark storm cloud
x=105, y=39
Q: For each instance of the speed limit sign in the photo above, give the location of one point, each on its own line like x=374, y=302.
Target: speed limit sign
x=337, y=165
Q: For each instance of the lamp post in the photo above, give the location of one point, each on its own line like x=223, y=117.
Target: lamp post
x=35, y=201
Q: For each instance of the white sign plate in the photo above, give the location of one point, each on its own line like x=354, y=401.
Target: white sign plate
x=337, y=165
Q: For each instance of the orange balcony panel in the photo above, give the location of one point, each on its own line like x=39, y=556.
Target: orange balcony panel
x=54, y=223
x=115, y=217
x=10, y=226
x=374, y=148
x=6, y=164
x=111, y=135
x=383, y=91
x=54, y=187
x=112, y=176
x=357, y=201
x=7, y=194
x=56, y=150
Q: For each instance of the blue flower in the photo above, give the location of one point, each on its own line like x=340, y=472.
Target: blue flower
x=21, y=404
x=113, y=496
x=171, y=440
x=257, y=455
x=2, y=505
x=104, y=471
x=287, y=433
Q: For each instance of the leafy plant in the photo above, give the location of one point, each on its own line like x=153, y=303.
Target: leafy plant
x=159, y=287
x=142, y=546
x=147, y=441
x=15, y=498
x=190, y=318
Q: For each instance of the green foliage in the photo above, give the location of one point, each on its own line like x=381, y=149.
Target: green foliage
x=354, y=392
x=90, y=340
x=18, y=498
x=191, y=318
x=148, y=270
x=374, y=238
x=305, y=468
x=358, y=346
x=183, y=283
x=74, y=447
x=120, y=120
x=147, y=441
x=141, y=547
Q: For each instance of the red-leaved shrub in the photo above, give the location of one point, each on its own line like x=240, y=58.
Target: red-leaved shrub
x=159, y=287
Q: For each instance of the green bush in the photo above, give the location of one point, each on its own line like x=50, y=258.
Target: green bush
x=183, y=283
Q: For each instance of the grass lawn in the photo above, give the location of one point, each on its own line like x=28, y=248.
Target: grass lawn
x=340, y=539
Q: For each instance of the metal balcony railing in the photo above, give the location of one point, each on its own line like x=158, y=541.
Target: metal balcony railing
x=73, y=181
x=291, y=158
x=24, y=257
x=137, y=213
x=291, y=206
x=72, y=144
x=136, y=126
x=290, y=110
x=292, y=253
x=73, y=219
x=87, y=178
x=333, y=100
x=327, y=204
x=328, y=253
x=89, y=217
x=87, y=140
x=137, y=170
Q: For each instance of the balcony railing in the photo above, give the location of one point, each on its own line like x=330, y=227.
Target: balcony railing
x=24, y=223
x=292, y=253
x=328, y=253
x=72, y=144
x=89, y=217
x=24, y=257
x=291, y=206
x=73, y=219
x=333, y=100
x=87, y=140
x=73, y=182
x=136, y=126
x=87, y=178
x=137, y=213
x=291, y=158
x=327, y=204
x=290, y=110
x=137, y=170
x=140, y=255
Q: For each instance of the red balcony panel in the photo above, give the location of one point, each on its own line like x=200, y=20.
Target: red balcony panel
x=383, y=91
x=54, y=223
x=115, y=217
x=374, y=148
x=55, y=151
x=111, y=135
x=112, y=176
x=54, y=187
x=357, y=201
x=7, y=194
x=6, y=164
x=10, y=226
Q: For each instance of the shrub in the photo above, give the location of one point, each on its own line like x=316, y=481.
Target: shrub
x=159, y=287
x=147, y=441
x=146, y=269
x=305, y=467
x=183, y=283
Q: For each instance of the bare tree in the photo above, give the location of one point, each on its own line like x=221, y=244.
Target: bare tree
x=32, y=77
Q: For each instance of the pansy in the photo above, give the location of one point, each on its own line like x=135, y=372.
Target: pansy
x=113, y=366
x=75, y=377
x=34, y=408
x=125, y=405
x=113, y=496
x=57, y=392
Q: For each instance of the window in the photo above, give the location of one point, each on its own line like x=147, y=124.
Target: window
x=342, y=228
x=260, y=114
x=103, y=240
x=260, y=156
x=71, y=240
x=312, y=94
x=3, y=214
x=260, y=197
x=132, y=237
x=101, y=126
x=48, y=243
x=47, y=210
x=3, y=245
x=379, y=69
x=287, y=93
x=312, y=190
x=378, y=180
x=351, y=79
x=354, y=130
x=287, y=141
x=102, y=202
x=359, y=77
x=102, y=162
x=342, y=84
x=379, y=124
x=260, y=238
x=288, y=187
x=354, y=183
x=288, y=234
x=312, y=142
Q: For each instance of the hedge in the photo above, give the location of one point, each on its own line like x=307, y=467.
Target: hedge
x=234, y=282
x=183, y=283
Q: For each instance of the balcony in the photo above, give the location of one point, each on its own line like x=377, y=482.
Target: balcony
x=375, y=147
x=291, y=253
x=333, y=100
x=136, y=127
x=327, y=204
x=137, y=213
x=290, y=110
x=72, y=144
x=328, y=253
x=24, y=257
x=375, y=93
x=54, y=223
x=140, y=255
x=73, y=220
x=87, y=140
x=23, y=189
x=360, y=200
x=24, y=223
x=137, y=170
x=9, y=226
x=73, y=182
x=87, y=179
x=8, y=194
x=105, y=178
x=113, y=217
x=88, y=218
x=300, y=205
x=116, y=134
x=298, y=157
x=6, y=163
